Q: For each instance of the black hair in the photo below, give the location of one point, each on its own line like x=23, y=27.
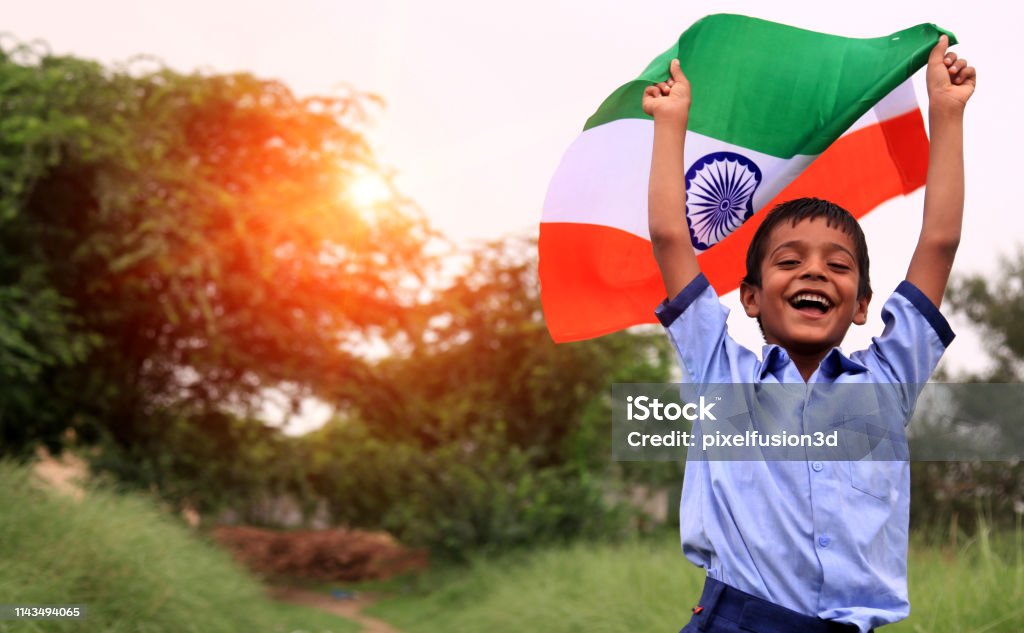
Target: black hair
x=801, y=209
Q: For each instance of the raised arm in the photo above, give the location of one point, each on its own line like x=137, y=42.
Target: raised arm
x=669, y=104
x=950, y=84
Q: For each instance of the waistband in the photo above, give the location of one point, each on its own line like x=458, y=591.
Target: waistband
x=749, y=612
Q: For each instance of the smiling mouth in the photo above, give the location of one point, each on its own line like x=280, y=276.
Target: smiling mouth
x=811, y=303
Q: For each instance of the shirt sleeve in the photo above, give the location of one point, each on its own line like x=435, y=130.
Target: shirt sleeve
x=696, y=323
x=912, y=342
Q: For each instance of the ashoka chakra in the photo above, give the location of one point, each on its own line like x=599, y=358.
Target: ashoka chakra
x=719, y=196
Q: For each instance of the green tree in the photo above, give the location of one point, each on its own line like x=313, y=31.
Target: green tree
x=961, y=492
x=174, y=245
x=182, y=241
x=478, y=355
x=480, y=432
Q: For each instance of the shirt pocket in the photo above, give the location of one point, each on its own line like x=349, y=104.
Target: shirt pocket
x=876, y=447
x=873, y=478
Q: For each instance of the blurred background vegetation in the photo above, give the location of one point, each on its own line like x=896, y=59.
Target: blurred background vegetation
x=179, y=250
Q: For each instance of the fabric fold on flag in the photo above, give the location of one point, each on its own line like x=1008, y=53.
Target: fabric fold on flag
x=778, y=113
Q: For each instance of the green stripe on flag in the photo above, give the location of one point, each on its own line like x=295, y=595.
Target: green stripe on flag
x=774, y=88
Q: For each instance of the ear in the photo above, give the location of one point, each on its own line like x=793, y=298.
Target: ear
x=750, y=297
x=860, y=316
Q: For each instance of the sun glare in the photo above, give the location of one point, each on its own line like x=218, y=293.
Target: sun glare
x=367, y=190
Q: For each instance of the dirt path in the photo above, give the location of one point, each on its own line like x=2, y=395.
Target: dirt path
x=65, y=474
x=351, y=608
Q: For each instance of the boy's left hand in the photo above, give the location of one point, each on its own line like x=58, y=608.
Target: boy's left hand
x=950, y=80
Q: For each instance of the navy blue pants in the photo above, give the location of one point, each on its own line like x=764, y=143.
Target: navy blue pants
x=725, y=609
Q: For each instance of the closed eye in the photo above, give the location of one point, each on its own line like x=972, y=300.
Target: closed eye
x=839, y=266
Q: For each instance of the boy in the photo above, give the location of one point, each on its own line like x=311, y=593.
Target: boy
x=798, y=545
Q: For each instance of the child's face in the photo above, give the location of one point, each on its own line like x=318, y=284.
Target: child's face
x=808, y=294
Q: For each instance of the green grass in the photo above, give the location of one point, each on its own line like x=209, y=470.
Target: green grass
x=138, y=570
x=132, y=566
x=649, y=586
x=643, y=586
x=977, y=587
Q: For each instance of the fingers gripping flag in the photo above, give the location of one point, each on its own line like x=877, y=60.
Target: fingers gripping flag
x=778, y=113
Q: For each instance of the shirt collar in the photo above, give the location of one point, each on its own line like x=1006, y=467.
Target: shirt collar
x=834, y=364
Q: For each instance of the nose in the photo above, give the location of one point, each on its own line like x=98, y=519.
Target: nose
x=814, y=269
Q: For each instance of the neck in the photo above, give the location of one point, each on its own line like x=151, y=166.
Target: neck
x=806, y=360
x=807, y=363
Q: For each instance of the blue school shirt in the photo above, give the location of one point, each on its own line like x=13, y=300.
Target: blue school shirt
x=825, y=538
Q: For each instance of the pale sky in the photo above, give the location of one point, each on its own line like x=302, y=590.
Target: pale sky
x=483, y=98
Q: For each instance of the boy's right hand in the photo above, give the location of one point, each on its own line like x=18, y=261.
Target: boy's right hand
x=669, y=99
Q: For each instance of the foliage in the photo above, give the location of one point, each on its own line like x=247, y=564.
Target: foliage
x=133, y=568
x=169, y=238
x=472, y=495
x=211, y=462
x=480, y=433
x=958, y=493
x=173, y=246
x=996, y=307
x=478, y=356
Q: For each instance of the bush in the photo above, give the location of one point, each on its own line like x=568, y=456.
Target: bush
x=477, y=494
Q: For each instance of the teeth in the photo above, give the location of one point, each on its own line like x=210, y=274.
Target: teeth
x=812, y=297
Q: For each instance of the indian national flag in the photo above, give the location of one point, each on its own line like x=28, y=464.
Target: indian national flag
x=778, y=113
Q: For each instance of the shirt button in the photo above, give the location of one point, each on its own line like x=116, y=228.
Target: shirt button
x=817, y=466
x=824, y=541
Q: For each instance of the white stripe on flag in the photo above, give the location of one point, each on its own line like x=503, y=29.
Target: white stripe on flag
x=898, y=102
x=604, y=175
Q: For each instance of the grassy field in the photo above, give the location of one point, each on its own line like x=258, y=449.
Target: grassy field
x=977, y=587
x=138, y=570
x=134, y=568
